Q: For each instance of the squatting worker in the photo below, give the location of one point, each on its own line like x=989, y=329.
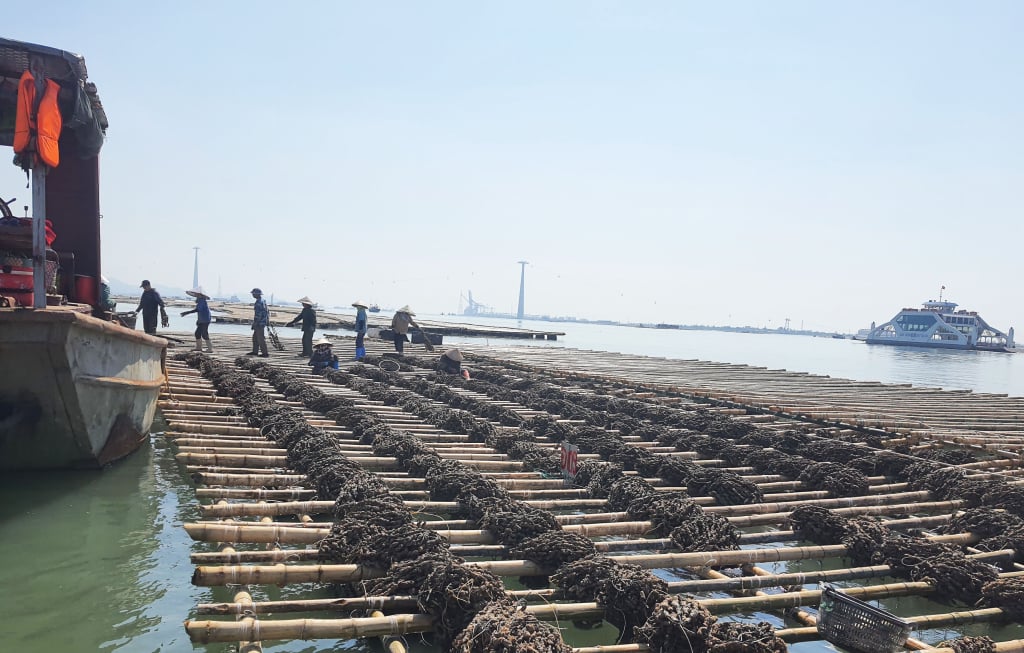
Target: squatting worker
x=360, y=327
x=308, y=318
x=260, y=320
x=148, y=305
x=450, y=362
x=323, y=356
x=400, y=324
x=203, y=318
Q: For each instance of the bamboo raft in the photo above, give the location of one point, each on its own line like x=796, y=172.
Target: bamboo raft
x=262, y=524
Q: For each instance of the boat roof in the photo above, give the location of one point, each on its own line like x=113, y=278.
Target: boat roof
x=52, y=63
x=931, y=304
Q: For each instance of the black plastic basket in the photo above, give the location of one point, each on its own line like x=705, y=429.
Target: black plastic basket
x=859, y=626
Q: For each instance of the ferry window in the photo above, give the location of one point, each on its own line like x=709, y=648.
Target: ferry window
x=916, y=322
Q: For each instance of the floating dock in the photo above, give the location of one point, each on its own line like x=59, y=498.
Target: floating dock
x=396, y=503
x=225, y=313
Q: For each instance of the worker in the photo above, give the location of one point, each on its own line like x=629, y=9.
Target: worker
x=308, y=318
x=148, y=305
x=203, y=319
x=360, y=326
x=106, y=303
x=260, y=320
x=400, y=324
x=323, y=356
x=450, y=362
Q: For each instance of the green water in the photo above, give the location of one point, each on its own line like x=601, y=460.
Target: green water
x=99, y=561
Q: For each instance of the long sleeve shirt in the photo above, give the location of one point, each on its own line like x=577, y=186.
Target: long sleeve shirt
x=203, y=312
x=400, y=323
x=260, y=313
x=149, y=302
x=308, y=318
x=361, y=321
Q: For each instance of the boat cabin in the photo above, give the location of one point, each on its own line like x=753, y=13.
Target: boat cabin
x=51, y=254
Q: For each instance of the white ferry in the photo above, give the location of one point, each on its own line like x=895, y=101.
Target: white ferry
x=939, y=324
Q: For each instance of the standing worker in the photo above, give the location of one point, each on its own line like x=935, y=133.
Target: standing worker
x=260, y=320
x=400, y=324
x=148, y=303
x=308, y=317
x=203, y=318
x=360, y=328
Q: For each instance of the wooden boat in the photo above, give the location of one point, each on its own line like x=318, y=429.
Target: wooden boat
x=75, y=391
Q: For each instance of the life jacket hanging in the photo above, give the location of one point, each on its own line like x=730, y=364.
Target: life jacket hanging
x=49, y=123
x=37, y=128
x=25, y=116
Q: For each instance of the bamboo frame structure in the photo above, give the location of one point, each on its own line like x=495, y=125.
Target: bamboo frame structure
x=215, y=446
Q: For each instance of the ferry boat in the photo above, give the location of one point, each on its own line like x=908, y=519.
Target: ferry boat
x=374, y=308
x=77, y=390
x=939, y=324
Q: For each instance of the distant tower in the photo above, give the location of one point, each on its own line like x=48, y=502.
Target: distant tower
x=195, y=270
x=522, y=290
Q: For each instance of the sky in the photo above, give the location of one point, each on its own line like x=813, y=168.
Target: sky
x=737, y=163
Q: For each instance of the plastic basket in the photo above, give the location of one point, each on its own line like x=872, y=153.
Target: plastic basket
x=859, y=626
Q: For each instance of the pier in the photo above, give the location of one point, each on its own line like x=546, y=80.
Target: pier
x=361, y=489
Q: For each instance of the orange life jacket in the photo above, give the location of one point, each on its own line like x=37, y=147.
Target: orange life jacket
x=24, y=118
x=50, y=124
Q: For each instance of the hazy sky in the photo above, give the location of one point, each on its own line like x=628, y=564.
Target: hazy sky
x=714, y=162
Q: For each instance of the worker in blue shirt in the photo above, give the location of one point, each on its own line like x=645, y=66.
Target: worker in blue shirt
x=360, y=327
x=203, y=319
x=260, y=320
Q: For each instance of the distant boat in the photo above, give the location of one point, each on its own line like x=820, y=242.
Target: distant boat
x=939, y=324
x=373, y=308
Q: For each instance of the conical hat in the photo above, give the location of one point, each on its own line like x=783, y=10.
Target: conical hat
x=305, y=300
x=197, y=292
x=323, y=341
x=454, y=354
x=360, y=304
x=406, y=309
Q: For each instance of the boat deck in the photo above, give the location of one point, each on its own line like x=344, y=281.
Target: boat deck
x=263, y=519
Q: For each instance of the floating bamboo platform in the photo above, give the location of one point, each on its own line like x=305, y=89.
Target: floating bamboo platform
x=261, y=521
x=241, y=313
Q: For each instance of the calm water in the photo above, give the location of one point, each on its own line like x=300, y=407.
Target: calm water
x=99, y=561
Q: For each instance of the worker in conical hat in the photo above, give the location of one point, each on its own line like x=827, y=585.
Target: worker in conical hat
x=203, y=319
x=360, y=327
x=323, y=356
x=308, y=318
x=400, y=324
x=450, y=362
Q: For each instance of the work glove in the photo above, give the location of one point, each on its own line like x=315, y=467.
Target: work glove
x=183, y=314
x=164, y=320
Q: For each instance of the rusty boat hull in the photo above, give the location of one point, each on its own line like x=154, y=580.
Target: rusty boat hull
x=75, y=392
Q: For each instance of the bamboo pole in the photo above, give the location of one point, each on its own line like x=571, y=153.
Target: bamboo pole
x=280, y=574
x=402, y=624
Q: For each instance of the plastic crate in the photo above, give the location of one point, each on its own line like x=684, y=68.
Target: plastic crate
x=859, y=626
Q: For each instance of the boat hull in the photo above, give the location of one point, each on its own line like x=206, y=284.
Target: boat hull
x=930, y=345
x=75, y=392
